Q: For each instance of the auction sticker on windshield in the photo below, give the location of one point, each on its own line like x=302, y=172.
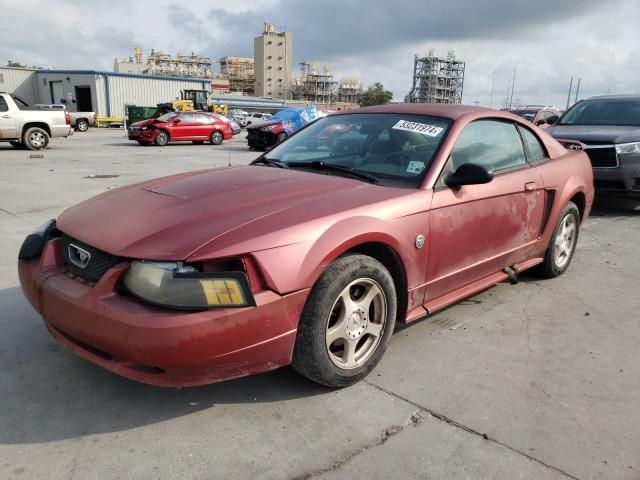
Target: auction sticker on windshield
x=423, y=128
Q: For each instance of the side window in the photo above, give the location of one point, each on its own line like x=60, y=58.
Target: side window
x=493, y=144
x=3, y=105
x=202, y=119
x=534, y=146
x=187, y=118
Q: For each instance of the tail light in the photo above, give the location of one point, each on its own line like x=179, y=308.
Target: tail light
x=94, y=116
x=67, y=117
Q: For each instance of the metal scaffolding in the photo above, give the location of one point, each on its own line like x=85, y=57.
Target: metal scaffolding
x=437, y=80
x=350, y=90
x=314, y=84
x=240, y=72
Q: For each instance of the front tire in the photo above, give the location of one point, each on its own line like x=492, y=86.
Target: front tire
x=563, y=243
x=282, y=136
x=82, y=125
x=162, y=139
x=35, y=138
x=347, y=322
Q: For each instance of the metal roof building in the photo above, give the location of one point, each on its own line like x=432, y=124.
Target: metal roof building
x=106, y=93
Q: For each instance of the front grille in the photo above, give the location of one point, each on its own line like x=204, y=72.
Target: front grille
x=97, y=265
x=602, y=157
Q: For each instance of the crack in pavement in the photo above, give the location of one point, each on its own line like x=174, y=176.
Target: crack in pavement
x=414, y=420
x=452, y=422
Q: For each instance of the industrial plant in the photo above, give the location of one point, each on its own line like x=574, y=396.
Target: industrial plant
x=263, y=82
x=437, y=79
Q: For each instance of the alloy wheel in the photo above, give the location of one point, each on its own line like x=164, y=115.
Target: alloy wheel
x=37, y=139
x=565, y=240
x=356, y=323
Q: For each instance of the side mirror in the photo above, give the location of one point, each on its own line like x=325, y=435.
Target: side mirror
x=542, y=121
x=552, y=119
x=468, y=174
x=177, y=121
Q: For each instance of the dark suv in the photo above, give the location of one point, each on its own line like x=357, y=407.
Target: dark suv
x=609, y=126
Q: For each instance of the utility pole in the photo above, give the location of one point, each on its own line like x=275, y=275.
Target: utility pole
x=575, y=99
x=569, y=95
x=493, y=81
x=511, y=87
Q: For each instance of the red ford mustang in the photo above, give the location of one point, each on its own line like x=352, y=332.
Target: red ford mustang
x=309, y=255
x=196, y=127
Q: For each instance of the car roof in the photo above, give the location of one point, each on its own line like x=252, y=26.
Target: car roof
x=451, y=111
x=630, y=96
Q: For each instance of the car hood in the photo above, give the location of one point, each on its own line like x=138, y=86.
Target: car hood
x=595, y=133
x=173, y=217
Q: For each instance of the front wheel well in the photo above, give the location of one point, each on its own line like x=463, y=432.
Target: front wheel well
x=392, y=262
x=580, y=200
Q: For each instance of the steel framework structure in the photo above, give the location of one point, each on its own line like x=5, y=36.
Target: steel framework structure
x=437, y=80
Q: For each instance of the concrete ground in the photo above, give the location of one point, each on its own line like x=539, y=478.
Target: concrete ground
x=539, y=380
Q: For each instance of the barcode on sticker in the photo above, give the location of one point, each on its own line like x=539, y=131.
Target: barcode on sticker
x=423, y=128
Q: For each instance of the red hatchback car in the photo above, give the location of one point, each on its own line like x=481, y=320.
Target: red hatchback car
x=311, y=254
x=196, y=127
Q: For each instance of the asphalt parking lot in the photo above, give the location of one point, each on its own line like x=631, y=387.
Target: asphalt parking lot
x=539, y=380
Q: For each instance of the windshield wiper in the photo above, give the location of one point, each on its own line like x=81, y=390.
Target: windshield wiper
x=271, y=163
x=320, y=165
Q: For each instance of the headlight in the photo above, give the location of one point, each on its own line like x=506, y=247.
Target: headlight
x=173, y=285
x=267, y=128
x=34, y=243
x=633, y=147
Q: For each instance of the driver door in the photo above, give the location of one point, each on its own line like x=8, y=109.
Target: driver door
x=477, y=230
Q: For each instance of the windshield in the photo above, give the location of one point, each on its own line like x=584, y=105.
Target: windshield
x=396, y=149
x=167, y=116
x=526, y=114
x=603, y=112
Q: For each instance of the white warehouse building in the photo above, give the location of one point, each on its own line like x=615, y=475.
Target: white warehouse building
x=106, y=93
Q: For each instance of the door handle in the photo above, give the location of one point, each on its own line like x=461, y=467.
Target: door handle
x=6, y=116
x=530, y=186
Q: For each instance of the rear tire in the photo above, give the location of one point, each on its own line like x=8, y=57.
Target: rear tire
x=216, y=138
x=162, y=139
x=35, y=138
x=82, y=125
x=563, y=243
x=346, y=323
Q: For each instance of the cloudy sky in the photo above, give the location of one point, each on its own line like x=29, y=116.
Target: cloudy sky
x=546, y=41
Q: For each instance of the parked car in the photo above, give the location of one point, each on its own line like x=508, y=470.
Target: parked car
x=256, y=117
x=239, y=119
x=537, y=114
x=305, y=257
x=196, y=127
x=235, y=127
x=609, y=128
x=80, y=121
x=283, y=124
x=26, y=126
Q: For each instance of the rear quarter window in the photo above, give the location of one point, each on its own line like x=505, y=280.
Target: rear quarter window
x=535, y=150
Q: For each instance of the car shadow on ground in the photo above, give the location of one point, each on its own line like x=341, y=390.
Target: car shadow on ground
x=608, y=206
x=50, y=394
